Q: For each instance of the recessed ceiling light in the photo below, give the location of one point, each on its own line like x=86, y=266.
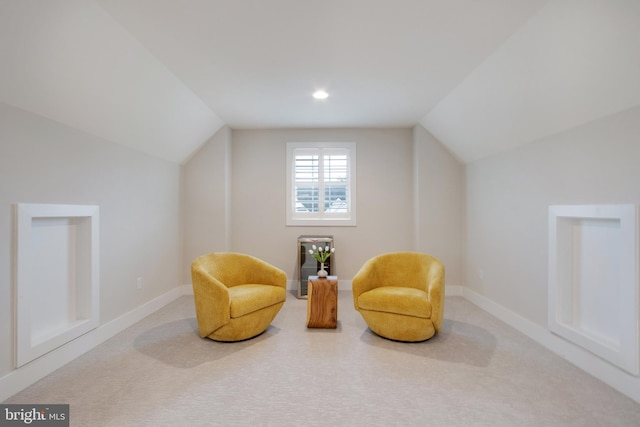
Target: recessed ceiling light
x=320, y=94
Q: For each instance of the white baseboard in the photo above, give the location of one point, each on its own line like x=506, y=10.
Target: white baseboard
x=453, y=291
x=22, y=377
x=583, y=359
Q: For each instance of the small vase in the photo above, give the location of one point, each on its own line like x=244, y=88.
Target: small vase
x=322, y=273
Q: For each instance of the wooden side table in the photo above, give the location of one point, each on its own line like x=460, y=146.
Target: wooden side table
x=322, y=302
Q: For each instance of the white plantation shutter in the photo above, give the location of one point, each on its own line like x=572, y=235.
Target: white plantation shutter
x=307, y=180
x=336, y=181
x=320, y=184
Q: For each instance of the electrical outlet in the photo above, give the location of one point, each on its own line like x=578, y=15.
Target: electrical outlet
x=139, y=283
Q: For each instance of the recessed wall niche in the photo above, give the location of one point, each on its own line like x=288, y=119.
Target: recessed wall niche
x=57, y=276
x=593, y=280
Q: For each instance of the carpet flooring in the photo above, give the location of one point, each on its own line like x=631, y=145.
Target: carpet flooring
x=477, y=372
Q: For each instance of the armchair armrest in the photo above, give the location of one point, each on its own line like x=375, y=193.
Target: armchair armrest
x=435, y=292
x=209, y=292
x=362, y=282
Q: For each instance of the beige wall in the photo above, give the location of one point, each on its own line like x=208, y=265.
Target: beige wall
x=384, y=196
x=42, y=161
x=410, y=196
x=439, y=202
x=206, y=200
x=509, y=195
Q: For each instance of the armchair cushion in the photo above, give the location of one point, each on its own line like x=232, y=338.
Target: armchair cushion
x=389, y=299
x=246, y=299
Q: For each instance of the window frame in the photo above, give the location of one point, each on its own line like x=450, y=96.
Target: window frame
x=321, y=218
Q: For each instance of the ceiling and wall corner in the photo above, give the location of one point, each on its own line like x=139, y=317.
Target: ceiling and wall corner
x=570, y=64
x=71, y=62
x=162, y=76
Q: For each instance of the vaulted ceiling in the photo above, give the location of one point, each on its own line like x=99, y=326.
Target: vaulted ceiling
x=162, y=76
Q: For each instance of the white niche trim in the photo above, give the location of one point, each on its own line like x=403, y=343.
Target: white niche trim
x=57, y=276
x=593, y=280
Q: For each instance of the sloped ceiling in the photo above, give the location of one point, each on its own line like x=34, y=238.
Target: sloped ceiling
x=571, y=63
x=71, y=62
x=162, y=76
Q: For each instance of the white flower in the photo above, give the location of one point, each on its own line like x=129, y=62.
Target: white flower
x=321, y=253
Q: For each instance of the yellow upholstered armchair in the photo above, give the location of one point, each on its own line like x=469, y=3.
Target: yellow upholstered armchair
x=400, y=295
x=237, y=296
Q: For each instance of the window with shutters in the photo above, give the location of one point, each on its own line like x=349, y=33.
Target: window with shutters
x=321, y=183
